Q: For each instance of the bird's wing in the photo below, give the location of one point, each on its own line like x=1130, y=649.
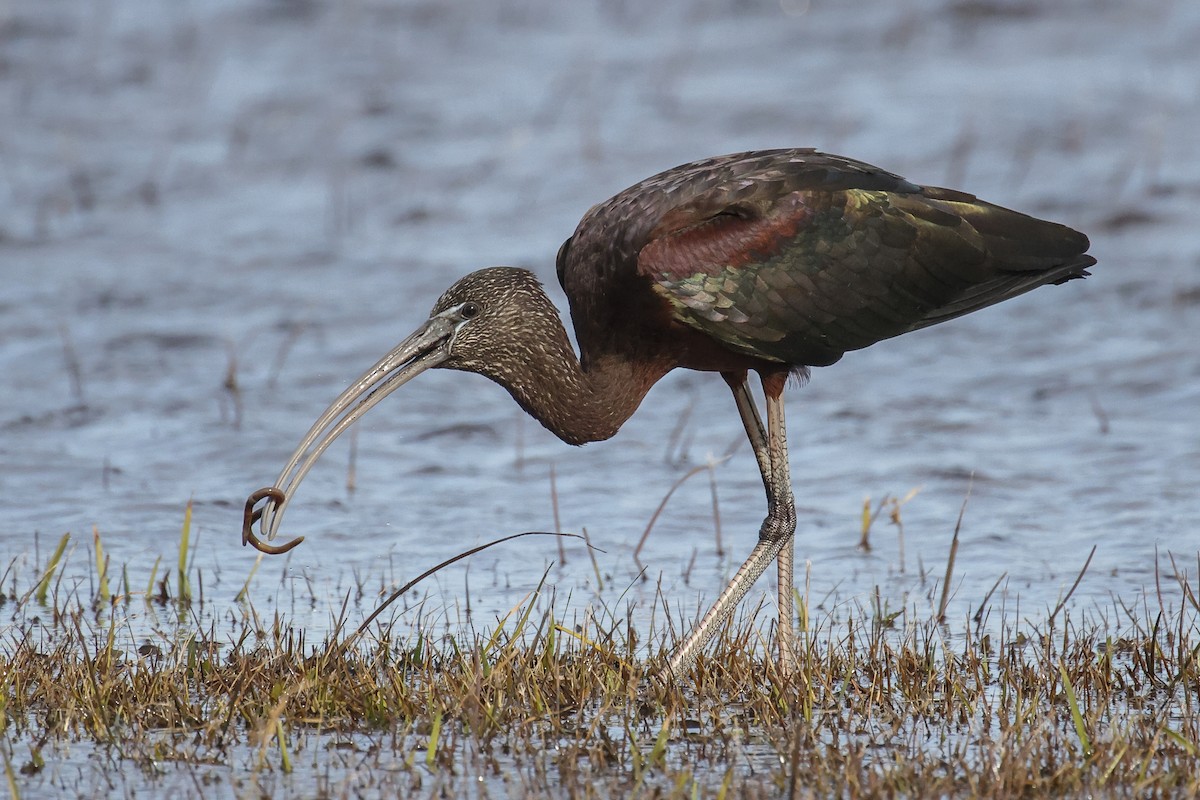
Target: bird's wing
x=802, y=275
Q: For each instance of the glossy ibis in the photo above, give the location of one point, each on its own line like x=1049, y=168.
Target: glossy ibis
x=771, y=262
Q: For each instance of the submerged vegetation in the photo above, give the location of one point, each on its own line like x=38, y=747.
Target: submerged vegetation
x=1104, y=702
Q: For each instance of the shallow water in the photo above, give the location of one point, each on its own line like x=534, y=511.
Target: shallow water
x=269, y=195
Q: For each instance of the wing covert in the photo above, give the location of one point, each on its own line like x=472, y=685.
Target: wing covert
x=807, y=275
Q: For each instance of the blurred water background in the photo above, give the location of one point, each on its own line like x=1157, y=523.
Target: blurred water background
x=214, y=215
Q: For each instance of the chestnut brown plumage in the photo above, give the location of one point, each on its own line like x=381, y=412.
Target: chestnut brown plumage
x=771, y=262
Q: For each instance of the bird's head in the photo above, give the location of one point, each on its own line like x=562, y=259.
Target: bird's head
x=484, y=323
x=495, y=314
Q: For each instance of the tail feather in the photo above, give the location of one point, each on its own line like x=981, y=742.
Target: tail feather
x=1025, y=252
x=1008, y=285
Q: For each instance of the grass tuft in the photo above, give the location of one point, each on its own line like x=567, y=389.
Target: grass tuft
x=887, y=700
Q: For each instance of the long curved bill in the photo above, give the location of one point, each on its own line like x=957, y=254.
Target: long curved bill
x=425, y=348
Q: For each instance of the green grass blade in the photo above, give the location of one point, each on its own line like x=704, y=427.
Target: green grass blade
x=434, y=733
x=1076, y=715
x=14, y=791
x=153, y=577
x=44, y=585
x=101, y=567
x=658, y=755
x=244, y=594
x=185, y=587
x=1184, y=742
x=285, y=759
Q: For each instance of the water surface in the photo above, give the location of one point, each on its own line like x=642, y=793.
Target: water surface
x=213, y=216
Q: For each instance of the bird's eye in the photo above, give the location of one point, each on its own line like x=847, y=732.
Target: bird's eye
x=469, y=310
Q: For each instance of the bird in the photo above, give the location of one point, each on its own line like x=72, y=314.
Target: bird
x=769, y=262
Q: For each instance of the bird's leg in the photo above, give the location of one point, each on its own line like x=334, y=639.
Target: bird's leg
x=775, y=535
x=777, y=482
x=781, y=512
x=752, y=422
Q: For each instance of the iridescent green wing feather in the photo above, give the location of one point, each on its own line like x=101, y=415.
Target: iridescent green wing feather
x=802, y=276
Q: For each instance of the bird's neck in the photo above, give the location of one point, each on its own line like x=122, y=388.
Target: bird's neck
x=580, y=406
x=577, y=405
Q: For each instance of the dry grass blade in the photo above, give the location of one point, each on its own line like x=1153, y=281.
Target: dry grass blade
x=945, y=599
x=437, y=568
x=663, y=504
x=978, y=616
x=562, y=552
x=1062, y=603
x=71, y=358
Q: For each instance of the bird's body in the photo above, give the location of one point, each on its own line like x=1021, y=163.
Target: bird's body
x=771, y=261
x=793, y=257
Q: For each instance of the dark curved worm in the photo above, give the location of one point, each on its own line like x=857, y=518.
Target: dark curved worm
x=252, y=515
